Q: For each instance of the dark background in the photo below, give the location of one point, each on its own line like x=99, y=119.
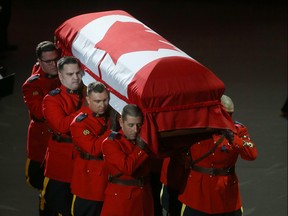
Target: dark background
x=243, y=42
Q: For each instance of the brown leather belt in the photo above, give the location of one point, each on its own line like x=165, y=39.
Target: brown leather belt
x=126, y=182
x=38, y=120
x=86, y=156
x=214, y=171
x=59, y=138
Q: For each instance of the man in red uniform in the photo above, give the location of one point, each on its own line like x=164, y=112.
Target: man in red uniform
x=44, y=78
x=60, y=107
x=212, y=187
x=128, y=191
x=88, y=131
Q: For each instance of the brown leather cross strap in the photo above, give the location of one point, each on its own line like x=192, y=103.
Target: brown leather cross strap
x=209, y=152
x=192, y=162
x=214, y=171
x=126, y=182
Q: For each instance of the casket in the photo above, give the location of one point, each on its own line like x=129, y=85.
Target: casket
x=177, y=94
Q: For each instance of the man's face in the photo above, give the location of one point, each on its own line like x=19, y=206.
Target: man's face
x=131, y=126
x=98, y=102
x=48, y=62
x=71, y=76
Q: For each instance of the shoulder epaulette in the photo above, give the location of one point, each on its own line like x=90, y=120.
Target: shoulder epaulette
x=112, y=135
x=55, y=92
x=81, y=117
x=34, y=77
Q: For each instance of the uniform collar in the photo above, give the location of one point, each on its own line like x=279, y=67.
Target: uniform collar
x=49, y=76
x=97, y=115
x=38, y=69
x=70, y=91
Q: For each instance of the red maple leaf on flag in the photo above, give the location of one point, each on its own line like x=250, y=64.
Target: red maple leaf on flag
x=125, y=37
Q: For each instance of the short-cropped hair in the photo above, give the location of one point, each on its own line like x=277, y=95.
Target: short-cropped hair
x=45, y=46
x=67, y=60
x=131, y=110
x=96, y=87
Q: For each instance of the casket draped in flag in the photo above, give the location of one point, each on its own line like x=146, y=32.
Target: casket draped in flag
x=174, y=91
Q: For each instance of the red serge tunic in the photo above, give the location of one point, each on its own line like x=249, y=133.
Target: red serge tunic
x=34, y=90
x=127, y=161
x=60, y=107
x=217, y=194
x=90, y=175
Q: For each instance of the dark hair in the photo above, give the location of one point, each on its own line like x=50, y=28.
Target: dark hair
x=96, y=87
x=131, y=110
x=67, y=60
x=45, y=46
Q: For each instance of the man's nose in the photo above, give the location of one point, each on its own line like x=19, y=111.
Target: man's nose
x=75, y=76
x=136, y=128
x=101, y=104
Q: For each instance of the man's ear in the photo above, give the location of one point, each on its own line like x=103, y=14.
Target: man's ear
x=88, y=99
x=120, y=122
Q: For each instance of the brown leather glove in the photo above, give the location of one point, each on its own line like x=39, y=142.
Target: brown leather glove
x=140, y=143
x=229, y=135
x=114, y=120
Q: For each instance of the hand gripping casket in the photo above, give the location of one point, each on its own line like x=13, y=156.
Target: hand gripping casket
x=176, y=93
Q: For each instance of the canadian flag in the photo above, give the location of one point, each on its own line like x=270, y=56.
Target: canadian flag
x=140, y=67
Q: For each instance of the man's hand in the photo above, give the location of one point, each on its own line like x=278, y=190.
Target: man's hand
x=229, y=135
x=114, y=120
x=140, y=143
